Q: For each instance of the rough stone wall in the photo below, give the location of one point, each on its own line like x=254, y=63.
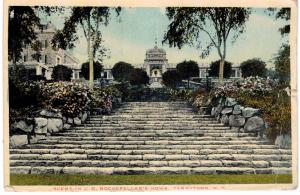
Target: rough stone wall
x=245, y=119
x=30, y=130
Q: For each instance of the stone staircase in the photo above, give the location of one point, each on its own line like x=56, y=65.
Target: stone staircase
x=151, y=138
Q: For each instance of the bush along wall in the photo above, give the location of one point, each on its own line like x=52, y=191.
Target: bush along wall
x=245, y=119
x=253, y=105
x=60, y=106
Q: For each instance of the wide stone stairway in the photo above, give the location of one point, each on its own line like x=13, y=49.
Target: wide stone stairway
x=151, y=138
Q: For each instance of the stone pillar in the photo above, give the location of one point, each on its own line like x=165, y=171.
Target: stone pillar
x=38, y=70
x=148, y=69
x=73, y=74
x=48, y=73
x=164, y=67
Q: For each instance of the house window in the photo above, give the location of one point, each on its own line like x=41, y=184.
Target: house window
x=46, y=60
x=233, y=73
x=57, y=61
x=46, y=43
x=25, y=58
x=105, y=75
x=238, y=74
x=202, y=73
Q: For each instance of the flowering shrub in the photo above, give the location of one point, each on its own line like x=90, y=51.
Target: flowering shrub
x=252, y=85
x=179, y=94
x=100, y=98
x=71, y=98
x=199, y=99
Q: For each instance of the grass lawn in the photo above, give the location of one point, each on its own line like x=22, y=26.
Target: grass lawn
x=20, y=179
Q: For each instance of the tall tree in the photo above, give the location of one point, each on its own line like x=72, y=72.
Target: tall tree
x=282, y=63
x=138, y=77
x=253, y=67
x=90, y=19
x=171, y=78
x=282, y=58
x=214, y=69
x=218, y=24
x=188, y=69
x=21, y=32
x=121, y=71
x=283, y=14
x=85, y=70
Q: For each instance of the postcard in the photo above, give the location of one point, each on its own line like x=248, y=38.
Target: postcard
x=150, y=95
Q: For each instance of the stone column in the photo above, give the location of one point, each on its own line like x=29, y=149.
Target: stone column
x=38, y=70
x=148, y=69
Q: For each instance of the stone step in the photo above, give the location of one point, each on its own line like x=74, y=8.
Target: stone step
x=146, y=138
x=151, y=163
x=133, y=146
x=152, y=128
x=155, y=116
x=158, y=123
x=151, y=120
x=145, y=148
x=147, y=170
x=147, y=119
x=118, y=129
x=154, y=112
x=134, y=133
x=200, y=152
x=155, y=104
x=138, y=142
x=125, y=156
x=156, y=142
x=156, y=132
x=148, y=145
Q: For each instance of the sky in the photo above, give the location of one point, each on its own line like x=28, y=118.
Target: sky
x=129, y=36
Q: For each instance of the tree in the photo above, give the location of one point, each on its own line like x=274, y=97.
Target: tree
x=171, y=78
x=121, y=71
x=90, y=20
x=282, y=63
x=188, y=25
x=283, y=14
x=188, y=69
x=21, y=31
x=85, y=70
x=215, y=66
x=282, y=59
x=62, y=73
x=138, y=77
x=22, y=23
x=253, y=67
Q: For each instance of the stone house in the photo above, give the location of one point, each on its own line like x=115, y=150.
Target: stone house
x=49, y=57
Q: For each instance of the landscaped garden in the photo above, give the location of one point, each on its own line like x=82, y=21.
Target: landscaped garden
x=122, y=130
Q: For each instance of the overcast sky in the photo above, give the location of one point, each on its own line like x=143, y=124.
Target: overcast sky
x=134, y=31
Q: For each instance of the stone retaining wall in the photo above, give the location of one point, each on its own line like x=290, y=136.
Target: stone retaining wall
x=245, y=119
x=30, y=130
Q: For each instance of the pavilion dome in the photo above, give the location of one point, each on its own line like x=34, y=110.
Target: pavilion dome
x=156, y=50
